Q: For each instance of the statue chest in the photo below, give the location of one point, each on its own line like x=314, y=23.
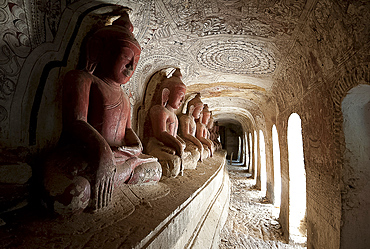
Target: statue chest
x=109, y=112
x=192, y=127
x=172, y=123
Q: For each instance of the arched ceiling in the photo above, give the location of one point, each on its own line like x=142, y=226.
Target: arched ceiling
x=228, y=50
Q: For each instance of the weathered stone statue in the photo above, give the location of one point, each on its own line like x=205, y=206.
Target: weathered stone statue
x=98, y=150
x=188, y=126
x=213, y=128
x=202, y=131
x=164, y=143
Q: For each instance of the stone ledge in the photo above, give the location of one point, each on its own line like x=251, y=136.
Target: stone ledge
x=197, y=222
x=191, y=215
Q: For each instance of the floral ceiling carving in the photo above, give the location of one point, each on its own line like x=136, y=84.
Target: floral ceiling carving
x=237, y=57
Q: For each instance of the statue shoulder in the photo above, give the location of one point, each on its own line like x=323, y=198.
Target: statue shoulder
x=125, y=97
x=77, y=74
x=157, y=111
x=78, y=77
x=183, y=118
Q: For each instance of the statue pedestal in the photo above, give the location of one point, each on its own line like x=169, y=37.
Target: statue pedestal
x=198, y=220
x=182, y=212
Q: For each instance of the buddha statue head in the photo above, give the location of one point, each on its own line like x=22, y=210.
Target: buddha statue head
x=196, y=105
x=206, y=114
x=173, y=90
x=112, y=52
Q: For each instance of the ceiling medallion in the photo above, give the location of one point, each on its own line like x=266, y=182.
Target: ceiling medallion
x=237, y=57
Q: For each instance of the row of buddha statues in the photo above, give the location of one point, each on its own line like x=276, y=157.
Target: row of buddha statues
x=98, y=150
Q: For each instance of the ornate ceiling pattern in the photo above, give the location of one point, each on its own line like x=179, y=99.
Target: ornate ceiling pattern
x=226, y=42
x=266, y=18
x=218, y=44
x=236, y=57
x=216, y=40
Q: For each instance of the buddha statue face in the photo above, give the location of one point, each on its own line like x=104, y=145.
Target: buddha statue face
x=197, y=111
x=113, y=52
x=198, y=106
x=176, y=97
x=176, y=89
x=119, y=63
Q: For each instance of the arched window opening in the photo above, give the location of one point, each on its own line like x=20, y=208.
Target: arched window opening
x=246, y=150
x=356, y=169
x=239, y=158
x=263, y=163
x=297, y=181
x=254, y=170
x=250, y=152
x=277, y=173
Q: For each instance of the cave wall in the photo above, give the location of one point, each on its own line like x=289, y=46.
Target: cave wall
x=329, y=57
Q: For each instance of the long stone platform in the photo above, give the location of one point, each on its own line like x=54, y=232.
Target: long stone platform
x=184, y=212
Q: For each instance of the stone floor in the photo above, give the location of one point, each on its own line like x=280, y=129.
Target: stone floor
x=251, y=222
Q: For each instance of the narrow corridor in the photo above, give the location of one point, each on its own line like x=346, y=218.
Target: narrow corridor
x=252, y=222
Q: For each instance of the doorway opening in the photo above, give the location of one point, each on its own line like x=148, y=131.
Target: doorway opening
x=263, y=163
x=277, y=173
x=297, y=181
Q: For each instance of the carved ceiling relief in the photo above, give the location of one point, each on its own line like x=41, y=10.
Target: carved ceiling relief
x=334, y=39
x=189, y=34
x=237, y=17
x=236, y=57
x=357, y=16
x=143, y=20
x=306, y=68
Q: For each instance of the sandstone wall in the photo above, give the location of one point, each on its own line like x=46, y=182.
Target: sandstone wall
x=329, y=56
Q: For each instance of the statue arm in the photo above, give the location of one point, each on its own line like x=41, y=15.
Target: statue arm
x=185, y=128
x=131, y=144
x=131, y=147
x=76, y=91
x=181, y=141
x=171, y=141
x=199, y=135
x=208, y=134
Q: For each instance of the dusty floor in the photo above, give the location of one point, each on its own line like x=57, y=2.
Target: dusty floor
x=250, y=223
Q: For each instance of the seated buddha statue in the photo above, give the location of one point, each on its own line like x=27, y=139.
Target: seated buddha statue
x=163, y=140
x=202, y=131
x=188, y=127
x=98, y=150
x=213, y=128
